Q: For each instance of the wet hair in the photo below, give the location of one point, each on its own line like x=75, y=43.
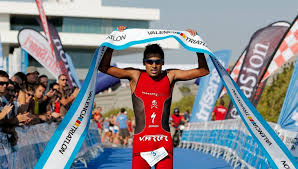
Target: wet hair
x=3, y=74
x=153, y=48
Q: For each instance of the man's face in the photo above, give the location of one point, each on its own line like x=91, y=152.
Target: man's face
x=44, y=81
x=39, y=91
x=3, y=85
x=32, y=78
x=17, y=80
x=62, y=81
x=153, y=64
x=10, y=92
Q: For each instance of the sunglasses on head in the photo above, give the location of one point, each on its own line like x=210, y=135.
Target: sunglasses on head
x=3, y=83
x=150, y=62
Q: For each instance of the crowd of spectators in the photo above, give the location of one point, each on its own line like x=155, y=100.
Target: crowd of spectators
x=28, y=99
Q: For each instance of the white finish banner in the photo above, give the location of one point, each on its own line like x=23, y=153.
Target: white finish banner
x=66, y=141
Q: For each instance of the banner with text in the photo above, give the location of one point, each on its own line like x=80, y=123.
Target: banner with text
x=61, y=57
x=38, y=47
x=67, y=139
x=209, y=89
x=259, y=52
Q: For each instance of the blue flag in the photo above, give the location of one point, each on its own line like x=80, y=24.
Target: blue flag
x=73, y=70
x=288, y=118
x=24, y=60
x=209, y=89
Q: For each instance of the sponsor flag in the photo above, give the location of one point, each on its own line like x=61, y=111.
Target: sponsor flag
x=61, y=56
x=73, y=71
x=67, y=139
x=287, y=49
x=259, y=52
x=288, y=118
x=209, y=89
x=38, y=47
x=235, y=71
x=24, y=61
x=45, y=24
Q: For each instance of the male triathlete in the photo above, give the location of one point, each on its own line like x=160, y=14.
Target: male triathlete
x=151, y=97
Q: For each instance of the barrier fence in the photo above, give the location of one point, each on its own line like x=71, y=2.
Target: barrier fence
x=31, y=141
x=231, y=140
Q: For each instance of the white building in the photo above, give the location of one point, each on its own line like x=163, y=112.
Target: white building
x=82, y=26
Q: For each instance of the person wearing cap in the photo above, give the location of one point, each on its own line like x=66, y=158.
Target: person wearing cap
x=151, y=91
x=32, y=76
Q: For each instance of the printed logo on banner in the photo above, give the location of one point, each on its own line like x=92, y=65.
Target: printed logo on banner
x=116, y=38
x=76, y=125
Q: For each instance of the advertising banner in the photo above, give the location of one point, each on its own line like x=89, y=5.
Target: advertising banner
x=209, y=89
x=259, y=52
x=38, y=47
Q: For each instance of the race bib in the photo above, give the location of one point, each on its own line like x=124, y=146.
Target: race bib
x=153, y=157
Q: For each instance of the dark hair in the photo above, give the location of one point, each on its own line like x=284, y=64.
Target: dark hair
x=3, y=74
x=40, y=84
x=53, y=84
x=153, y=48
x=21, y=75
x=222, y=102
x=41, y=76
x=122, y=110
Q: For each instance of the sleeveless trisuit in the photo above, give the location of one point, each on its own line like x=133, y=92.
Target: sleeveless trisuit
x=151, y=102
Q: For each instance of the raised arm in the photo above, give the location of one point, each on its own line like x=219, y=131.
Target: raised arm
x=202, y=70
x=105, y=65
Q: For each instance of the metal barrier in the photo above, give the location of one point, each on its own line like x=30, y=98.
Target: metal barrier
x=32, y=140
x=229, y=139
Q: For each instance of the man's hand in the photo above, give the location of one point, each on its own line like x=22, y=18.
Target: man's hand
x=121, y=28
x=192, y=32
x=5, y=111
x=24, y=118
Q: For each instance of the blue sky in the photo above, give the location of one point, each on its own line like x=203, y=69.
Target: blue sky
x=222, y=24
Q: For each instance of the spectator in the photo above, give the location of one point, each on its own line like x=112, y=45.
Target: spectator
x=20, y=79
x=32, y=76
x=186, y=116
x=37, y=107
x=98, y=118
x=10, y=95
x=6, y=108
x=219, y=112
x=106, y=132
x=43, y=79
x=122, y=123
x=67, y=97
x=3, y=85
